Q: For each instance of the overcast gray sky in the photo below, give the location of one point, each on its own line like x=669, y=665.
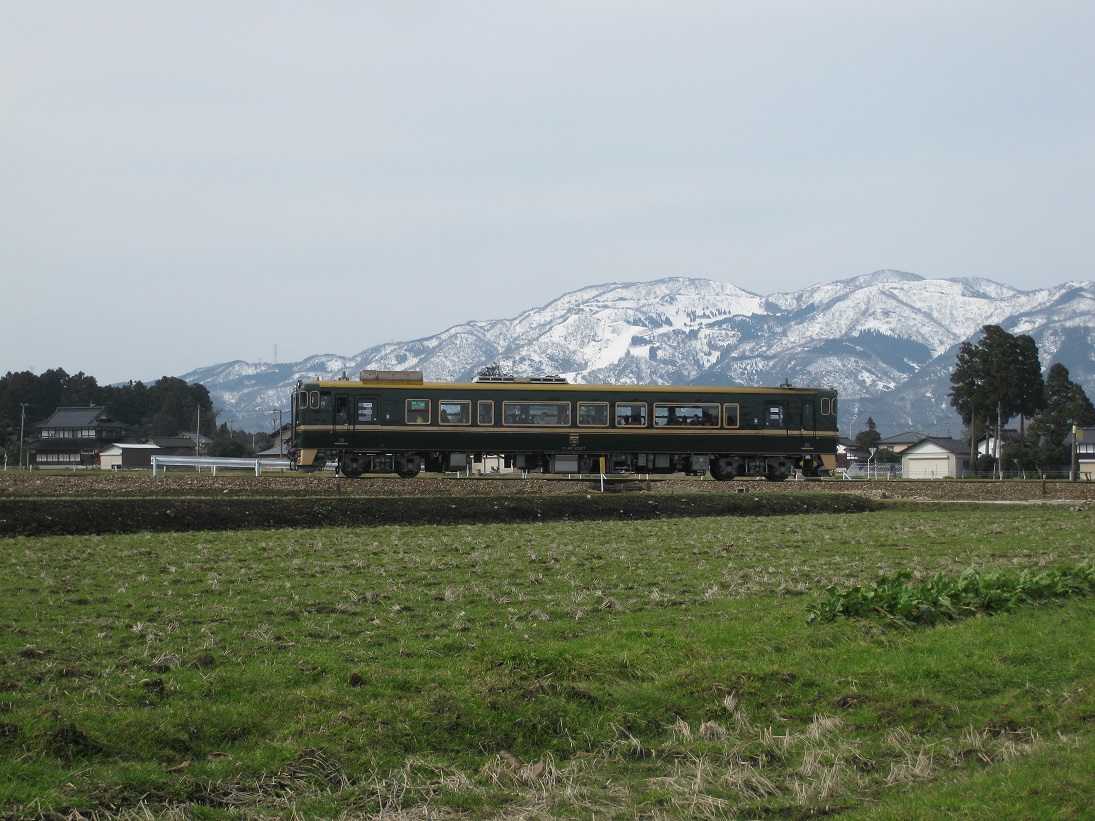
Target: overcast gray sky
x=191, y=183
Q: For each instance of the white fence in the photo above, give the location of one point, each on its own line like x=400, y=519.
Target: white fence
x=214, y=462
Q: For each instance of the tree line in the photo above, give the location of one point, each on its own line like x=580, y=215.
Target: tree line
x=999, y=378
x=166, y=407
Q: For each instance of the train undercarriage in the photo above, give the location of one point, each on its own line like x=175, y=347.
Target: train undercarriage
x=722, y=467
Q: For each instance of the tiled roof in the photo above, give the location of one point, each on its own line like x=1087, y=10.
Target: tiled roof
x=89, y=417
x=909, y=437
x=1085, y=435
x=172, y=442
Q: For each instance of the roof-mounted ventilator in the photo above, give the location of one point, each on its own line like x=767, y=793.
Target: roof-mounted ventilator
x=391, y=376
x=535, y=380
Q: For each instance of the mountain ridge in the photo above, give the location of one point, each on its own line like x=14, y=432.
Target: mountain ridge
x=886, y=341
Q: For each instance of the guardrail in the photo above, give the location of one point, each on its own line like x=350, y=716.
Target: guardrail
x=214, y=462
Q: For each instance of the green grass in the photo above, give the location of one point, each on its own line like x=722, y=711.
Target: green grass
x=611, y=670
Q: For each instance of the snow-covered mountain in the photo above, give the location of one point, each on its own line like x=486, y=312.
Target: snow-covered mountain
x=887, y=342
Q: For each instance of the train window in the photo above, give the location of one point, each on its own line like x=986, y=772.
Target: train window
x=807, y=415
x=828, y=406
x=773, y=415
x=366, y=410
x=696, y=415
x=313, y=399
x=324, y=400
x=454, y=412
x=342, y=410
x=418, y=411
x=302, y=399
x=630, y=413
x=536, y=413
x=731, y=413
x=592, y=413
x=486, y=412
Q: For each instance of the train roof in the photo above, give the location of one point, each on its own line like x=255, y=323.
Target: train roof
x=538, y=383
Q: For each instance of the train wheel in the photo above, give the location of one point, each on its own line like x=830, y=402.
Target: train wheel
x=717, y=473
x=405, y=471
x=351, y=468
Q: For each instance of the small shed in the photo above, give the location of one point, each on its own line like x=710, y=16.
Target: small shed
x=936, y=458
x=126, y=456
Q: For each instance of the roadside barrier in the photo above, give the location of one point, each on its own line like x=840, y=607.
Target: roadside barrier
x=214, y=462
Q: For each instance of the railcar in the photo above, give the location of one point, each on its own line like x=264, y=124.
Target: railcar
x=396, y=422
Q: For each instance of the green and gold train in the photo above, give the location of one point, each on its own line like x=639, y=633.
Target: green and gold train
x=396, y=422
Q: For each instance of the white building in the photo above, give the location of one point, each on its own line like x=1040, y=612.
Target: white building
x=126, y=456
x=1084, y=444
x=932, y=458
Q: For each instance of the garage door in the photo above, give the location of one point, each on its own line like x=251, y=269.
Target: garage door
x=927, y=467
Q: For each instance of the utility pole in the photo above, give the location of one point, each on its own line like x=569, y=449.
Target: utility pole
x=281, y=433
x=1074, y=468
x=22, y=427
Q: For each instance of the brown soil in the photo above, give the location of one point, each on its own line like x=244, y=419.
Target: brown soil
x=40, y=503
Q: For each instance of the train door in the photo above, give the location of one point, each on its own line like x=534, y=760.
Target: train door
x=808, y=426
x=342, y=419
x=775, y=424
x=808, y=419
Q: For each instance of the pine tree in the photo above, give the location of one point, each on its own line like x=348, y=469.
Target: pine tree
x=997, y=378
x=869, y=438
x=1065, y=404
x=1032, y=395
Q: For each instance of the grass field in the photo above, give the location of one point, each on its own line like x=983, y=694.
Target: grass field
x=594, y=670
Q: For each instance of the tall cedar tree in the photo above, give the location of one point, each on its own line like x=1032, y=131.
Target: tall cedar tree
x=1000, y=375
x=1065, y=404
x=1032, y=394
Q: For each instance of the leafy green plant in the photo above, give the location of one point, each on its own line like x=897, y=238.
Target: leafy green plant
x=901, y=601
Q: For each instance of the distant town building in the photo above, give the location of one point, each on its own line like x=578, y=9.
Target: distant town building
x=128, y=456
x=74, y=437
x=902, y=441
x=936, y=458
x=849, y=453
x=1084, y=443
x=181, y=445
